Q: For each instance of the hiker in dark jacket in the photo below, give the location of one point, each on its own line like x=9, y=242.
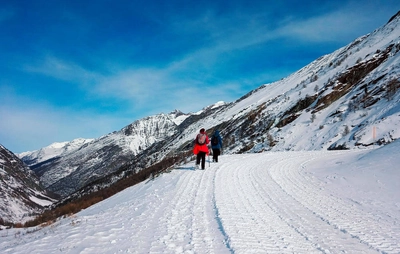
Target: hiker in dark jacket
x=216, y=145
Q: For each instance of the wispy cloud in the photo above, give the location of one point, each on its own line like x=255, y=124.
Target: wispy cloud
x=224, y=36
x=319, y=29
x=61, y=69
x=225, y=32
x=337, y=25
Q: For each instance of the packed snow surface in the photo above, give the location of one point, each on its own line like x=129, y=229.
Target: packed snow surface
x=275, y=202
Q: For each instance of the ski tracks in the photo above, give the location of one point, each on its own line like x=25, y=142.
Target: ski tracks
x=187, y=223
x=273, y=206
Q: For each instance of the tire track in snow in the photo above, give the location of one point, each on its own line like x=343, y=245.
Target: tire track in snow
x=248, y=218
x=303, y=218
x=344, y=216
x=272, y=206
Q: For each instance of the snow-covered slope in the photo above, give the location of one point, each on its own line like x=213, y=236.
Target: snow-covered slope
x=346, y=99
x=21, y=195
x=272, y=202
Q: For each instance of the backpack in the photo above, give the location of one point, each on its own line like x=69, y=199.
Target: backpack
x=201, y=139
x=214, y=140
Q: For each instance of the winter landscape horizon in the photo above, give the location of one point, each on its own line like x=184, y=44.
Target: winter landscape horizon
x=310, y=164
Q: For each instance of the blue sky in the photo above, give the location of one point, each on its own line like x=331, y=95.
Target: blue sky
x=72, y=68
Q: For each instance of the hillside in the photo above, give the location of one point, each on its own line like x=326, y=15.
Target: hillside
x=345, y=100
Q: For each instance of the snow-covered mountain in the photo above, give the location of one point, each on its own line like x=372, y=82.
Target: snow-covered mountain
x=344, y=100
x=21, y=195
x=52, y=151
x=66, y=167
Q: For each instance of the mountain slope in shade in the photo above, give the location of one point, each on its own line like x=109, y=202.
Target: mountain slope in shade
x=21, y=195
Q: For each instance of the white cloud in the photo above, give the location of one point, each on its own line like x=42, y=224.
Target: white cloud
x=29, y=126
x=343, y=25
x=61, y=69
x=227, y=32
x=198, y=68
x=137, y=84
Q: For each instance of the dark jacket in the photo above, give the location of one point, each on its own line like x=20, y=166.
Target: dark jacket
x=219, y=145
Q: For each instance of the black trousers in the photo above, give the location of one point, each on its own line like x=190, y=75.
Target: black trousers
x=216, y=153
x=201, y=156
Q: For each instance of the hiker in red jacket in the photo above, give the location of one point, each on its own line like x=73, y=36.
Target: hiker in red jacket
x=200, y=148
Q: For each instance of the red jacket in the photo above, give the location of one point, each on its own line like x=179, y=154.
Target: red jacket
x=201, y=148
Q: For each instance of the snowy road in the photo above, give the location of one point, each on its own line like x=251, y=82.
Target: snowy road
x=279, y=208
x=256, y=203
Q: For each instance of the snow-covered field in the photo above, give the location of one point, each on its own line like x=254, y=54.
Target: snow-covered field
x=282, y=202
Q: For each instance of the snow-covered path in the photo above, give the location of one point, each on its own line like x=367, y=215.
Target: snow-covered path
x=275, y=206
x=286, y=202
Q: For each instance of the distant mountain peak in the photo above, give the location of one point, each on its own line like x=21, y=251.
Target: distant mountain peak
x=53, y=150
x=212, y=106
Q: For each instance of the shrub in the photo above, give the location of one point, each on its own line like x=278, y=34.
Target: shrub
x=313, y=117
x=346, y=130
x=392, y=87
